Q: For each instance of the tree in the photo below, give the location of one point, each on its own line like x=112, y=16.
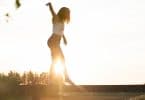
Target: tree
x=24, y=79
x=44, y=78
x=14, y=78
x=17, y=4
x=30, y=77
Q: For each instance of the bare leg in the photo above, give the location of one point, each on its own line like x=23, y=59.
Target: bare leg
x=51, y=72
x=56, y=53
x=67, y=79
x=52, y=66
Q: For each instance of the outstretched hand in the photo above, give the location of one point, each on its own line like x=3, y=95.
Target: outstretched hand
x=49, y=3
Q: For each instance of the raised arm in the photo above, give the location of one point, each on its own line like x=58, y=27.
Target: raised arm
x=51, y=9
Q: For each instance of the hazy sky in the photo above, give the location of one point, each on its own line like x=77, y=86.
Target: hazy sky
x=106, y=39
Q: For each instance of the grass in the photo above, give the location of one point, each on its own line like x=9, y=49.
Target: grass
x=83, y=96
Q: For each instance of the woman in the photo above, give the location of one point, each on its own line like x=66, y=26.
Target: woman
x=58, y=21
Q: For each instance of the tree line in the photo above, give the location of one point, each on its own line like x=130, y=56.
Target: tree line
x=27, y=78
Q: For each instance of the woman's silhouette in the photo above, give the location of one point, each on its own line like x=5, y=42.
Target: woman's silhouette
x=58, y=21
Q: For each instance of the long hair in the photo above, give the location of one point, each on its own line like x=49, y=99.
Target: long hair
x=64, y=14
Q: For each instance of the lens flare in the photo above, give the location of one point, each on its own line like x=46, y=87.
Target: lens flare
x=59, y=68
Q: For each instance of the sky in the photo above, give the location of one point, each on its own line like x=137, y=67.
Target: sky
x=106, y=39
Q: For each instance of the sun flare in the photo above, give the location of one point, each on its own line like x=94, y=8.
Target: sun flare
x=59, y=69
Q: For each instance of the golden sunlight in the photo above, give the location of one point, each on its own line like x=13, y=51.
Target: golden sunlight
x=59, y=69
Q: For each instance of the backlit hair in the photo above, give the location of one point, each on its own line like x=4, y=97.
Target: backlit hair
x=64, y=14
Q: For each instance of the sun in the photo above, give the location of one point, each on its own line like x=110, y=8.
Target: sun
x=58, y=68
